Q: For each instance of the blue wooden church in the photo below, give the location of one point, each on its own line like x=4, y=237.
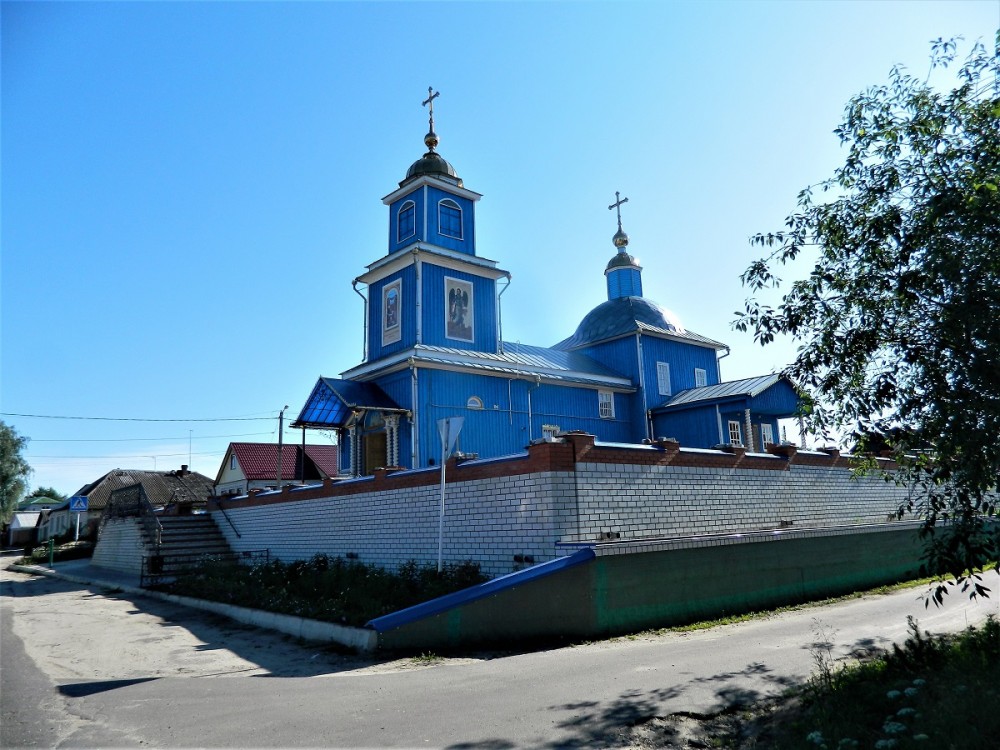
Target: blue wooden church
x=630, y=372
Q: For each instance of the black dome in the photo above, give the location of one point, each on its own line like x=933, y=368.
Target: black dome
x=621, y=316
x=431, y=163
x=622, y=260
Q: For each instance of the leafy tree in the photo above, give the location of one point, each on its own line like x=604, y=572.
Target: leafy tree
x=49, y=492
x=898, y=323
x=14, y=470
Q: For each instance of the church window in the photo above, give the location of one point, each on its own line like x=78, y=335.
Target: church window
x=734, y=433
x=232, y=462
x=766, y=435
x=450, y=219
x=474, y=402
x=663, y=378
x=405, y=226
x=606, y=404
x=549, y=431
x=700, y=378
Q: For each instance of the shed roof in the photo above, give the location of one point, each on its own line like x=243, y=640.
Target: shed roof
x=161, y=487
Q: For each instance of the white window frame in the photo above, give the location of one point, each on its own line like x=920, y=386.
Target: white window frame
x=474, y=402
x=735, y=433
x=663, y=378
x=232, y=462
x=766, y=435
x=549, y=431
x=461, y=218
x=399, y=215
x=606, y=404
x=700, y=377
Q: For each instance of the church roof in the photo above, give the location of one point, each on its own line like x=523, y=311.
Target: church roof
x=625, y=315
x=431, y=163
x=772, y=394
x=523, y=359
x=334, y=401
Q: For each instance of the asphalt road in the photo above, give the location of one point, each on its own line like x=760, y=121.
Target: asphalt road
x=85, y=668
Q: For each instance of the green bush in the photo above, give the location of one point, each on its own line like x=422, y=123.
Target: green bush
x=933, y=692
x=61, y=552
x=347, y=592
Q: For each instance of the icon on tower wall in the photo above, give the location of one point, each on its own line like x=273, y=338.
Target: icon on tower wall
x=459, y=320
x=391, y=298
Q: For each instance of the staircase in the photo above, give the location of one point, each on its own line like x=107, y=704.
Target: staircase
x=184, y=542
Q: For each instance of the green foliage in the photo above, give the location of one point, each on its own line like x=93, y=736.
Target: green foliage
x=898, y=323
x=61, y=552
x=323, y=588
x=14, y=470
x=49, y=492
x=929, y=693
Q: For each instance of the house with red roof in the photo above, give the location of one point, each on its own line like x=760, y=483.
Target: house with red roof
x=248, y=466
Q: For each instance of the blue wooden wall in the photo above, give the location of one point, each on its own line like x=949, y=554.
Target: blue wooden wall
x=426, y=199
x=435, y=306
x=407, y=314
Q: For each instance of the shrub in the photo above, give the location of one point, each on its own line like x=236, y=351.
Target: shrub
x=323, y=588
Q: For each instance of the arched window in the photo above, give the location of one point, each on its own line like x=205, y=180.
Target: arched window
x=474, y=402
x=450, y=219
x=404, y=221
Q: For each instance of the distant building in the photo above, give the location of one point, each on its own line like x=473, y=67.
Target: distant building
x=179, y=490
x=630, y=372
x=248, y=466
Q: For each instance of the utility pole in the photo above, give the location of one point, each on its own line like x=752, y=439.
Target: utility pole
x=281, y=430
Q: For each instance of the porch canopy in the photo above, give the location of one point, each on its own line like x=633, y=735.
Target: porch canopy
x=770, y=395
x=334, y=404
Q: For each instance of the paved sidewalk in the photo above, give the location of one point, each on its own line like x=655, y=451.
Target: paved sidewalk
x=83, y=572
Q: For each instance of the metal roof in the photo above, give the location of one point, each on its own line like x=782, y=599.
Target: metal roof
x=526, y=359
x=625, y=315
x=748, y=387
x=333, y=403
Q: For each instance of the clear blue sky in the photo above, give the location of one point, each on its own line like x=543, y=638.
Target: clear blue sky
x=189, y=188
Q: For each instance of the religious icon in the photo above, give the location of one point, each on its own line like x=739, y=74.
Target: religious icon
x=391, y=294
x=459, y=321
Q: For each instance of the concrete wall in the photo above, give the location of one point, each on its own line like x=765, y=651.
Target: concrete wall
x=628, y=587
x=121, y=546
x=508, y=513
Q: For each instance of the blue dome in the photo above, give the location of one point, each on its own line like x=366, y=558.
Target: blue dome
x=621, y=316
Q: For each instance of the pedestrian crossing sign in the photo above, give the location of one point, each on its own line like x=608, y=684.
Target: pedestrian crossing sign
x=78, y=504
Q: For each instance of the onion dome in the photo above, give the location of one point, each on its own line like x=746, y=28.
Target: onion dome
x=431, y=163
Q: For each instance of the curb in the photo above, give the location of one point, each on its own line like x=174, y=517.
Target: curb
x=362, y=639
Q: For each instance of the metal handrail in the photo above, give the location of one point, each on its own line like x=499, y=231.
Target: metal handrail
x=132, y=502
x=218, y=503
x=159, y=568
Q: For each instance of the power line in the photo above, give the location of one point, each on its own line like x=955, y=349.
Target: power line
x=132, y=440
x=135, y=419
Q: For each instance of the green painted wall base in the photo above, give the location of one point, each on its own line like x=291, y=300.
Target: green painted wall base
x=622, y=593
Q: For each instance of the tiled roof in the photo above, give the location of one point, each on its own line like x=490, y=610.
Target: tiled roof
x=161, y=487
x=325, y=457
x=259, y=461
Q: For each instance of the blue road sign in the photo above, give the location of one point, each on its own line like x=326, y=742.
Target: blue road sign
x=78, y=503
